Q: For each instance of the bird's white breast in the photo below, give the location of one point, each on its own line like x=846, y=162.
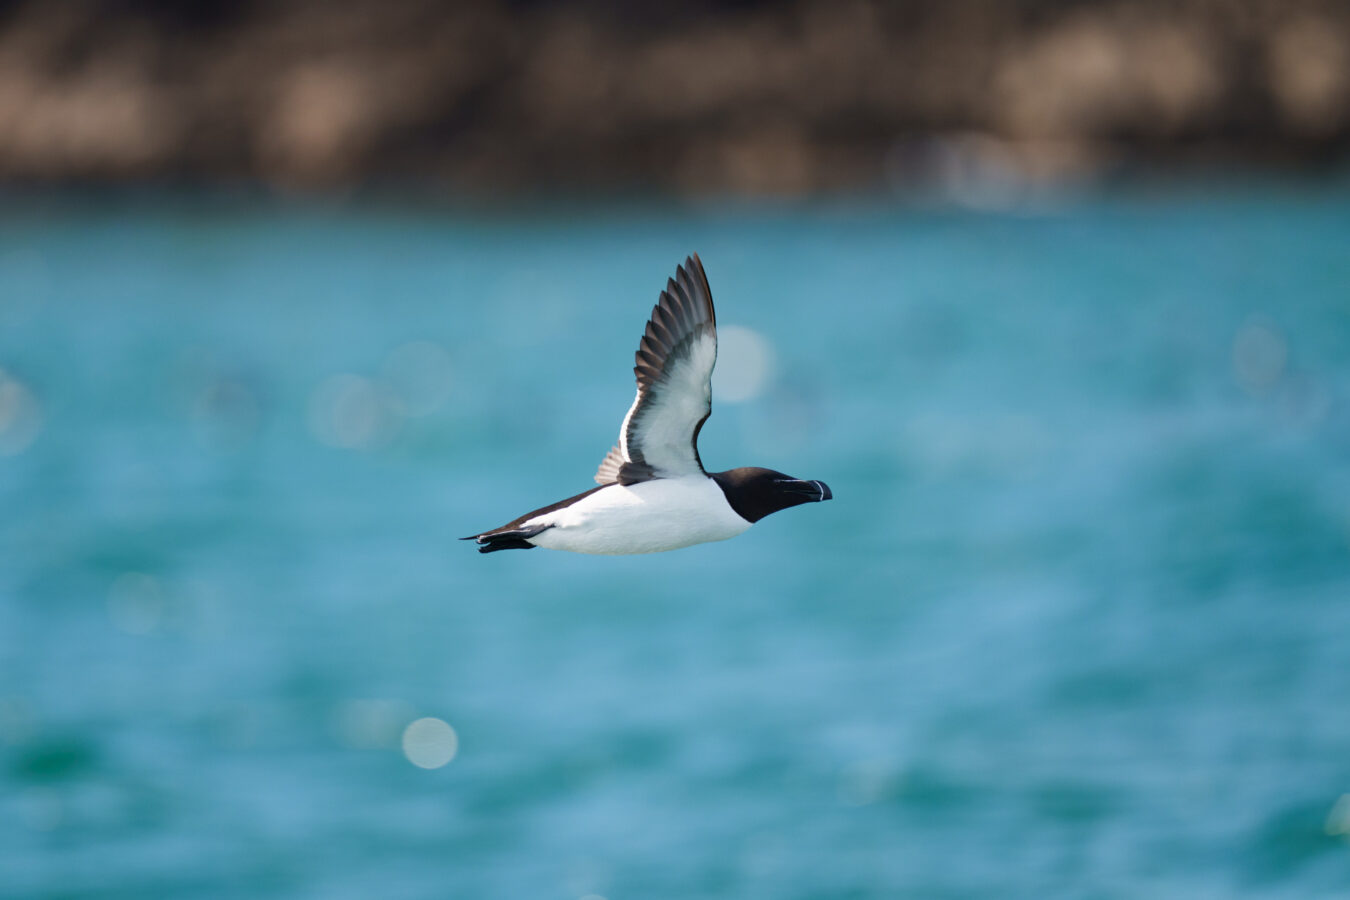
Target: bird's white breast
x=648, y=517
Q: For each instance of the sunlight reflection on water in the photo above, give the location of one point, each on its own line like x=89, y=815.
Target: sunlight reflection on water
x=1074, y=621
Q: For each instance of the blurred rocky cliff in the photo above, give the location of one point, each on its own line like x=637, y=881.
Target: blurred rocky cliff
x=748, y=97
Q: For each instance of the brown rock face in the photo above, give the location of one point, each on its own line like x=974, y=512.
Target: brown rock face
x=758, y=98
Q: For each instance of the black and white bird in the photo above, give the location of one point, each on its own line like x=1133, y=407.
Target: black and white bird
x=654, y=494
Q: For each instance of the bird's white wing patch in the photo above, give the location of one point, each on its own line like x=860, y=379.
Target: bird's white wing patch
x=674, y=365
x=664, y=423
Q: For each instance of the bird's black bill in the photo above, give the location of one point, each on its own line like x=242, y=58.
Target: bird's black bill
x=809, y=491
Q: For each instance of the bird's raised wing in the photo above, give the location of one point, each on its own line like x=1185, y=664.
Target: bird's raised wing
x=674, y=364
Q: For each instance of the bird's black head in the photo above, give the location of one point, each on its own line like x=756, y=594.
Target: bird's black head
x=755, y=493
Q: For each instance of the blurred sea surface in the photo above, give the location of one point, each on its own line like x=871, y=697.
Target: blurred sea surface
x=1077, y=622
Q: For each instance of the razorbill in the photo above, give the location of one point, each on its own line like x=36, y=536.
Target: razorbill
x=654, y=494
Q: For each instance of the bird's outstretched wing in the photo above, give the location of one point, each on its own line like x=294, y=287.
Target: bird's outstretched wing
x=674, y=364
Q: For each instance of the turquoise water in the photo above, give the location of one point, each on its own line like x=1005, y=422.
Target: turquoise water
x=1076, y=623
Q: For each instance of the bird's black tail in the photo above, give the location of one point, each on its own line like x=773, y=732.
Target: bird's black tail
x=492, y=541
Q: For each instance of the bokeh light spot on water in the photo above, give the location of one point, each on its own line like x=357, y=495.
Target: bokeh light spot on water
x=1338, y=819
x=1259, y=355
x=745, y=364
x=430, y=743
x=865, y=782
x=349, y=411
x=20, y=415
x=419, y=375
x=136, y=603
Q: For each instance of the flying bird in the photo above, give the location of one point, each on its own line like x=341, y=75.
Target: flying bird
x=654, y=493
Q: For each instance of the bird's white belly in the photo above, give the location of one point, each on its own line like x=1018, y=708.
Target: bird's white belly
x=648, y=517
